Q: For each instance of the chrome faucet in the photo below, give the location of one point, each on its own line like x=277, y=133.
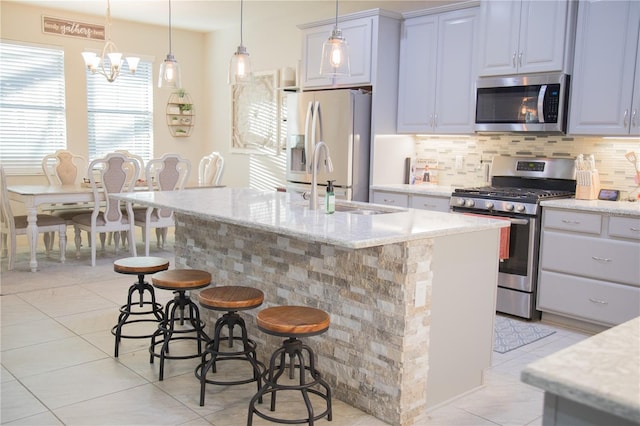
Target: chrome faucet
x=320, y=146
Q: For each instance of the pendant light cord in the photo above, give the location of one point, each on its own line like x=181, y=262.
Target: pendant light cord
x=241, y=20
x=170, y=50
x=336, y=13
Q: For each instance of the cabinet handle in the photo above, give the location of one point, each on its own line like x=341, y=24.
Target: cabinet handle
x=635, y=229
x=389, y=201
x=571, y=222
x=601, y=259
x=626, y=114
x=430, y=206
x=435, y=120
x=600, y=302
x=633, y=118
x=513, y=59
x=520, y=59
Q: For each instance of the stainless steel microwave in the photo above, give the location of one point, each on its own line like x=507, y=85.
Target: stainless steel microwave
x=522, y=103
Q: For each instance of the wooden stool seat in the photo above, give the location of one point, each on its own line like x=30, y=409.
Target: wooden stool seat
x=181, y=279
x=231, y=298
x=293, y=321
x=140, y=265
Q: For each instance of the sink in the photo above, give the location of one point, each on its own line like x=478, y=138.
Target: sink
x=362, y=210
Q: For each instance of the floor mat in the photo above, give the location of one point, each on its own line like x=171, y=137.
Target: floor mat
x=510, y=334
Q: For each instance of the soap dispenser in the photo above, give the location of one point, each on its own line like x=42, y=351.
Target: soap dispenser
x=330, y=198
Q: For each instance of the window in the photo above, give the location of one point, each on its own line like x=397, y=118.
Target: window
x=120, y=114
x=32, y=105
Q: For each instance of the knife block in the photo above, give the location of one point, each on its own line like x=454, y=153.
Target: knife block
x=590, y=191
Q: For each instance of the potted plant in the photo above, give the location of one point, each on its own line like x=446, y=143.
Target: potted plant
x=186, y=108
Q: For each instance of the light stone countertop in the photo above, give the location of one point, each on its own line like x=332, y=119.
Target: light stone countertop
x=602, y=372
x=418, y=189
x=279, y=212
x=622, y=208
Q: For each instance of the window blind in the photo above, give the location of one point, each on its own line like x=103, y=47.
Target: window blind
x=120, y=114
x=32, y=105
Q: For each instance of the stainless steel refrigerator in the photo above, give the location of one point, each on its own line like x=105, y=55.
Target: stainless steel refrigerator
x=342, y=119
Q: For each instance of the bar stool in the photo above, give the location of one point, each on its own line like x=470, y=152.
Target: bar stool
x=139, y=266
x=230, y=299
x=292, y=322
x=179, y=281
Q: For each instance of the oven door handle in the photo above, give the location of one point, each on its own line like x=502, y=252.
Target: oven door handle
x=518, y=221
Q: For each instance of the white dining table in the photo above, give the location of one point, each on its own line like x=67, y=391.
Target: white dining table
x=32, y=196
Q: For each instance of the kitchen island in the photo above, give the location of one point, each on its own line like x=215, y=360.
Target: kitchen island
x=594, y=382
x=411, y=293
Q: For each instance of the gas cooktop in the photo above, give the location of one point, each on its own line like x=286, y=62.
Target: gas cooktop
x=527, y=195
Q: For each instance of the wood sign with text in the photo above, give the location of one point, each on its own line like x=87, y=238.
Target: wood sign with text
x=65, y=27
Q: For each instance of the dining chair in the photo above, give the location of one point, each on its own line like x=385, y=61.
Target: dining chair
x=168, y=173
x=12, y=226
x=65, y=168
x=210, y=169
x=116, y=175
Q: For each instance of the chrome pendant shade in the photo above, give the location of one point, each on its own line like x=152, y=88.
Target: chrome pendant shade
x=169, y=75
x=110, y=62
x=335, y=54
x=240, y=71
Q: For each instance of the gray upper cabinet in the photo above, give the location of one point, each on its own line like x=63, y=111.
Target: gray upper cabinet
x=525, y=36
x=605, y=95
x=437, y=73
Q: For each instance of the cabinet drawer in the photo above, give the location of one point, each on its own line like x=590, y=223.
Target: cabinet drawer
x=591, y=300
x=391, y=199
x=440, y=204
x=597, y=258
x=625, y=227
x=573, y=221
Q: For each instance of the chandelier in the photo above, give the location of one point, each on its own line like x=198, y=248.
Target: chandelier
x=110, y=62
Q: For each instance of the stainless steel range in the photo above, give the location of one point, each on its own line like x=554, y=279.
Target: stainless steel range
x=518, y=185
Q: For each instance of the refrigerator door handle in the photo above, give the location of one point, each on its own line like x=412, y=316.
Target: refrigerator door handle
x=307, y=137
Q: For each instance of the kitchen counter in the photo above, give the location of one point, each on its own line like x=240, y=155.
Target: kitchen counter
x=596, y=381
x=399, y=288
x=277, y=211
x=622, y=208
x=418, y=189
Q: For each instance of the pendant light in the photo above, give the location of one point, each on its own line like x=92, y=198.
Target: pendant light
x=109, y=63
x=335, y=54
x=170, y=68
x=240, y=66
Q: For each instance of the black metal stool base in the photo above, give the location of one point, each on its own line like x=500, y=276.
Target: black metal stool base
x=127, y=310
x=213, y=352
x=295, y=349
x=168, y=333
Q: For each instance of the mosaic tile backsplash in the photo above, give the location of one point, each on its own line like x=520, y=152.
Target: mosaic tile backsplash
x=615, y=170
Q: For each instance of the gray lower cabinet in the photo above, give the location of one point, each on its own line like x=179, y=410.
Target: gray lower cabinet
x=414, y=201
x=589, y=266
x=430, y=202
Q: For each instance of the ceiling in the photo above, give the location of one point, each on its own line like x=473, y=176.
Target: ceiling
x=206, y=16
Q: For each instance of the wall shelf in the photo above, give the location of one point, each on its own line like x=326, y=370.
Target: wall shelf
x=181, y=114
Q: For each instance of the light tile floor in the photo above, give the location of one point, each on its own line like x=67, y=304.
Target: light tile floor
x=57, y=364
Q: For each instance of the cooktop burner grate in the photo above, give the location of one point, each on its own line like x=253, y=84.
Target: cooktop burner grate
x=522, y=194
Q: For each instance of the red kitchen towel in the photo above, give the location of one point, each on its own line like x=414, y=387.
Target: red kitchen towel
x=505, y=234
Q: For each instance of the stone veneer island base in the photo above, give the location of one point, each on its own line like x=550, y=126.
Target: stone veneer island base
x=411, y=293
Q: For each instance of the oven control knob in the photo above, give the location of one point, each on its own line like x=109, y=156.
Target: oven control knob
x=488, y=205
x=508, y=207
x=520, y=208
x=460, y=202
x=469, y=203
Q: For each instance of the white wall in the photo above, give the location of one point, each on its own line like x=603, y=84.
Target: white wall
x=23, y=23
